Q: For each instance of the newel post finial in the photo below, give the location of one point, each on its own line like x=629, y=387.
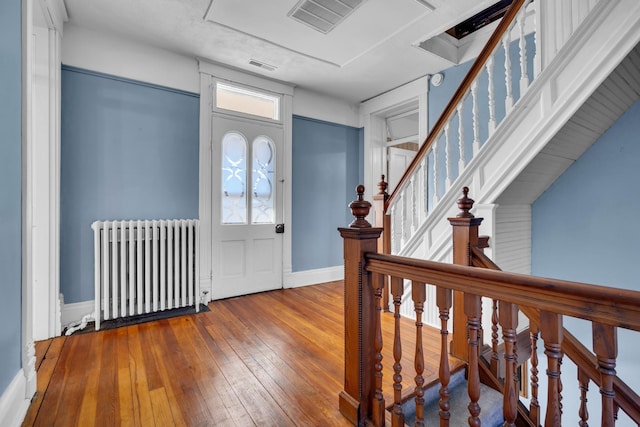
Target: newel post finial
x=360, y=209
x=382, y=186
x=465, y=204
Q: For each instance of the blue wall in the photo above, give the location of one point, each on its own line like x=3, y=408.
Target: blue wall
x=327, y=167
x=580, y=229
x=584, y=229
x=10, y=191
x=129, y=150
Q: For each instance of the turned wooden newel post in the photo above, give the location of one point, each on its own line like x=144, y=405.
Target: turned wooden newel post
x=359, y=314
x=383, y=220
x=465, y=235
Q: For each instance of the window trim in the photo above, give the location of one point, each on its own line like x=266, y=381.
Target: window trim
x=257, y=91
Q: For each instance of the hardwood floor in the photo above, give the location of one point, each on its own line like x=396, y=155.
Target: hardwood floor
x=269, y=359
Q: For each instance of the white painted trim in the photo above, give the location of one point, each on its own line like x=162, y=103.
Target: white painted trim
x=55, y=96
x=313, y=277
x=398, y=96
x=287, y=174
x=208, y=73
x=13, y=403
x=244, y=77
x=75, y=311
x=28, y=356
x=204, y=209
x=55, y=13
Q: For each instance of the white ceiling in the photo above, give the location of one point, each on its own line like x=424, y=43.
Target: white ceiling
x=370, y=52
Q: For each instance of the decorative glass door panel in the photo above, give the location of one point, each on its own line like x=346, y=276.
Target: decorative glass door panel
x=262, y=194
x=246, y=251
x=234, y=178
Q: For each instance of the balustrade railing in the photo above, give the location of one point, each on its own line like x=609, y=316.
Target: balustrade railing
x=467, y=122
x=546, y=302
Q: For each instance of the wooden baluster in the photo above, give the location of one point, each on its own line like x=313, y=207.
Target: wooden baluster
x=509, y=324
x=418, y=292
x=476, y=121
x=444, y=299
x=447, y=156
x=551, y=329
x=524, y=76
x=461, y=161
x=605, y=346
x=491, y=92
x=583, y=383
x=473, y=310
x=495, y=362
x=560, y=386
x=534, y=406
x=378, y=407
x=397, y=416
x=508, y=101
x=383, y=221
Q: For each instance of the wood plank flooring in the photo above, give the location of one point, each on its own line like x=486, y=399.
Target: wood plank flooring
x=269, y=359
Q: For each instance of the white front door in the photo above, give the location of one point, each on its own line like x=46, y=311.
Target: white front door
x=246, y=206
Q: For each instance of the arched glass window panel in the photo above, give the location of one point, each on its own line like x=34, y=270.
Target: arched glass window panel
x=262, y=187
x=234, y=178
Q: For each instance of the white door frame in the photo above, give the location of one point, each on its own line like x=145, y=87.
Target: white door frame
x=209, y=72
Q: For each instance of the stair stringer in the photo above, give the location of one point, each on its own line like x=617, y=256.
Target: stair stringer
x=603, y=40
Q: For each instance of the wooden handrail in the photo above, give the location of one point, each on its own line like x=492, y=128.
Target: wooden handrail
x=626, y=398
x=544, y=301
x=608, y=306
x=449, y=110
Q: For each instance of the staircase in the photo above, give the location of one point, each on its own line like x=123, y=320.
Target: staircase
x=513, y=148
x=459, y=290
x=490, y=401
x=509, y=150
x=583, y=75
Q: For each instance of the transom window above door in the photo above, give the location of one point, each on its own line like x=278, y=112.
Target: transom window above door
x=247, y=101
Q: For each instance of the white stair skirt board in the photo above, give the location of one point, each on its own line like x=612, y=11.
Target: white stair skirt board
x=313, y=277
x=75, y=311
x=13, y=402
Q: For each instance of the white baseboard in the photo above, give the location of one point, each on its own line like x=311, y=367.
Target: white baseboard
x=13, y=403
x=74, y=312
x=313, y=277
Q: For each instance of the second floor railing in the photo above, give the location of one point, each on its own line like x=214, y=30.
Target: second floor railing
x=459, y=292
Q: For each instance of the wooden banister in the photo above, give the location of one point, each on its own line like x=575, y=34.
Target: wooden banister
x=464, y=87
x=544, y=301
x=626, y=399
x=609, y=306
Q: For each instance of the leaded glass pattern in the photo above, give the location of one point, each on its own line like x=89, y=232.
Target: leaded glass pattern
x=234, y=178
x=262, y=188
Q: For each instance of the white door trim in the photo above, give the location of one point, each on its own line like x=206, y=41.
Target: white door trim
x=208, y=73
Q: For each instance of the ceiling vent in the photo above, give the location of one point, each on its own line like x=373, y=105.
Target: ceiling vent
x=323, y=15
x=260, y=64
